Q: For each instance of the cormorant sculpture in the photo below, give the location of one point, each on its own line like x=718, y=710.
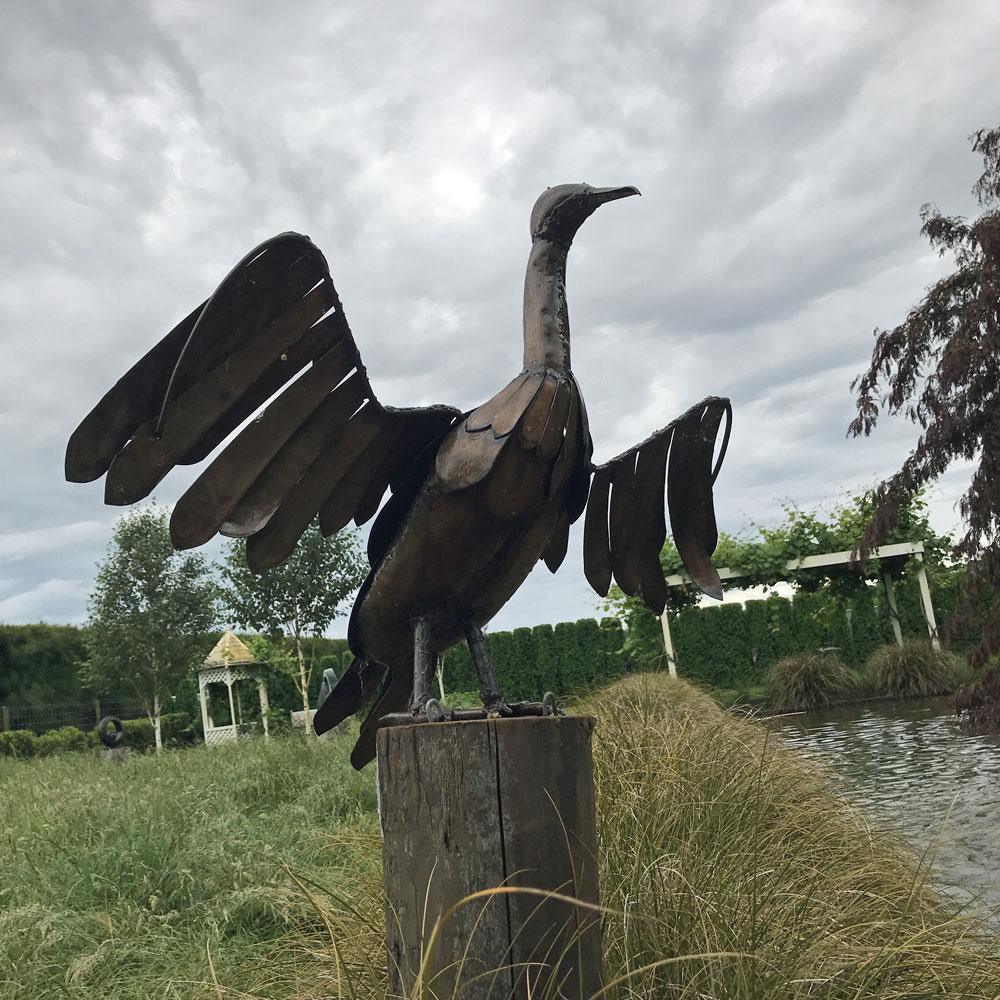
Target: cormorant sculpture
x=476, y=498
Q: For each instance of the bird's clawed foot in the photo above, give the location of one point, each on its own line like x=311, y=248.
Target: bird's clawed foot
x=433, y=711
x=425, y=708
x=498, y=709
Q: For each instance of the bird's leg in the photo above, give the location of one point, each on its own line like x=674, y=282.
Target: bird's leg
x=423, y=664
x=425, y=708
x=489, y=690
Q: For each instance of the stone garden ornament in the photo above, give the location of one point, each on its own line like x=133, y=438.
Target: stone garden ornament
x=475, y=499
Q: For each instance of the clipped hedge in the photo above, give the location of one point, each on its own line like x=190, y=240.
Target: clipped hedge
x=733, y=646
x=566, y=659
x=175, y=729
x=24, y=744
x=17, y=743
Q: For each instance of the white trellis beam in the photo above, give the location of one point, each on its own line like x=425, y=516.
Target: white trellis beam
x=232, y=710
x=814, y=562
x=892, y=551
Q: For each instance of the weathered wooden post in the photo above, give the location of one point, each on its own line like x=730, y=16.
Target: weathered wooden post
x=480, y=805
x=890, y=599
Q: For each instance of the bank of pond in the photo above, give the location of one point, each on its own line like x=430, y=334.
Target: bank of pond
x=912, y=766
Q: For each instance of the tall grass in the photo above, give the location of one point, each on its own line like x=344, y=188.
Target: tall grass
x=913, y=670
x=810, y=680
x=119, y=881
x=730, y=869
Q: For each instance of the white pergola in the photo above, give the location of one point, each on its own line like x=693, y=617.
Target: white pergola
x=897, y=550
x=228, y=663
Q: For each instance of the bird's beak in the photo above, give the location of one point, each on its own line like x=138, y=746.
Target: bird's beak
x=601, y=195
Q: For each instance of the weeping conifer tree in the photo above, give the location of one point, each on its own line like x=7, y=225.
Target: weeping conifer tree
x=940, y=367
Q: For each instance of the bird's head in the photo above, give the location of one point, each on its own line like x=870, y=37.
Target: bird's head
x=561, y=210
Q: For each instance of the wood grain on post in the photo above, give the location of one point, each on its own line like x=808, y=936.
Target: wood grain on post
x=471, y=806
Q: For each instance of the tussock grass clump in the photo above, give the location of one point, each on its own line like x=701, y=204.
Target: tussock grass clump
x=810, y=680
x=912, y=670
x=744, y=871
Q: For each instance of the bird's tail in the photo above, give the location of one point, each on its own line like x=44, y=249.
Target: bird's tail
x=350, y=694
x=394, y=696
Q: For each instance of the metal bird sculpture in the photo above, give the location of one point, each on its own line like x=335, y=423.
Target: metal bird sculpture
x=476, y=499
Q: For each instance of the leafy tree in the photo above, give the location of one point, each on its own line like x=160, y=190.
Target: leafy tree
x=299, y=597
x=940, y=367
x=148, y=613
x=40, y=664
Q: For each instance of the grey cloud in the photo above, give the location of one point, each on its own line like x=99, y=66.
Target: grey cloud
x=782, y=150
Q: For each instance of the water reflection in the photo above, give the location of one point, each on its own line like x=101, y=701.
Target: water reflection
x=914, y=769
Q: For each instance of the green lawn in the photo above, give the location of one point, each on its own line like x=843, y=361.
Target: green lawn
x=730, y=870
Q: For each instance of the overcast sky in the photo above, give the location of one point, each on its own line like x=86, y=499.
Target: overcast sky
x=783, y=152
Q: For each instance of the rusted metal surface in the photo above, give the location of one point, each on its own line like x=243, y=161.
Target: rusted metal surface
x=148, y=457
x=475, y=500
x=265, y=493
x=555, y=551
x=208, y=502
x=596, y=544
x=265, y=288
x=689, y=492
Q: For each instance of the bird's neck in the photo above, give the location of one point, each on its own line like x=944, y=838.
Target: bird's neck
x=546, y=316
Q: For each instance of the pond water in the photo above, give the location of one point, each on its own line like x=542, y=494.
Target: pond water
x=916, y=771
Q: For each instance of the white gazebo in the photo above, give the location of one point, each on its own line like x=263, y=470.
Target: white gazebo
x=229, y=663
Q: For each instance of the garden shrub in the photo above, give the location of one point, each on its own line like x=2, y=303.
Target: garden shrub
x=24, y=744
x=176, y=729
x=68, y=739
x=461, y=699
x=912, y=670
x=279, y=723
x=17, y=743
x=810, y=680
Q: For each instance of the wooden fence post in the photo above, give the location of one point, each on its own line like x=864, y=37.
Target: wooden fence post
x=471, y=806
x=4, y=718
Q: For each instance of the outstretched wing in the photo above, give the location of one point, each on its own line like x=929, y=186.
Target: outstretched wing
x=625, y=525
x=323, y=445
